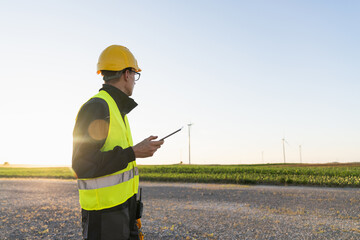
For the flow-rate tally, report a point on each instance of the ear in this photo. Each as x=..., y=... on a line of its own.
x=126, y=75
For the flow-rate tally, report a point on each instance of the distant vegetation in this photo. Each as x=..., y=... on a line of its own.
x=50, y=172
x=292, y=174
x=340, y=175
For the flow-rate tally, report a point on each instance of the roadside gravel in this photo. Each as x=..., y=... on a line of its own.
x=49, y=209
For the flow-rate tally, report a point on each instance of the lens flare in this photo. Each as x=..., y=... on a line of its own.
x=98, y=129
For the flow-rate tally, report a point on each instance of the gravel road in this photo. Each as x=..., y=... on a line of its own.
x=49, y=209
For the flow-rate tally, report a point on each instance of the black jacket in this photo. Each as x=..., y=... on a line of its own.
x=87, y=159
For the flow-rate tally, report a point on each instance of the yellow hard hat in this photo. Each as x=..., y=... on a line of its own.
x=117, y=58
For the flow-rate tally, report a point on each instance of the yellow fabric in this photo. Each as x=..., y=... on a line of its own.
x=119, y=134
x=138, y=223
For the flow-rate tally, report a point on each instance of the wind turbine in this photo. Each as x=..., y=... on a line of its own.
x=189, y=126
x=283, y=143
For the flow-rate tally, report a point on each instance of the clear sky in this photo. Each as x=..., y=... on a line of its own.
x=246, y=73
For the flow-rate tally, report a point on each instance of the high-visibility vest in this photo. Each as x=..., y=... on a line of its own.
x=113, y=189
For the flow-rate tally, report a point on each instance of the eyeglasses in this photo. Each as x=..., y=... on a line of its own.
x=136, y=74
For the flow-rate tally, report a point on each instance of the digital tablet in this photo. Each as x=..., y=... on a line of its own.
x=171, y=134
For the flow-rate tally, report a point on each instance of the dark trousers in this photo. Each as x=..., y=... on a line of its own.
x=116, y=223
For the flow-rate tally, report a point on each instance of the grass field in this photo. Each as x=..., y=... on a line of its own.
x=340, y=175
x=37, y=172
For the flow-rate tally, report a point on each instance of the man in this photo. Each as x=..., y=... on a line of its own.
x=103, y=151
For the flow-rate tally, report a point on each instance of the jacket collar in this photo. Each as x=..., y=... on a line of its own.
x=123, y=101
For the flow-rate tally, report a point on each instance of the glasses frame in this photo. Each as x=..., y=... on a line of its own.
x=136, y=74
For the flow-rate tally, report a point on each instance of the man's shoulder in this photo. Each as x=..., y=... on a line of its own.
x=95, y=102
x=94, y=108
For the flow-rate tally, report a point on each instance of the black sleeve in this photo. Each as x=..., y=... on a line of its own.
x=89, y=136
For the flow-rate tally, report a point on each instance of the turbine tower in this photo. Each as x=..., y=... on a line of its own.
x=189, y=126
x=283, y=143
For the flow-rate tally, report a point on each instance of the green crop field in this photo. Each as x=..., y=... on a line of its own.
x=322, y=175
x=46, y=172
x=340, y=175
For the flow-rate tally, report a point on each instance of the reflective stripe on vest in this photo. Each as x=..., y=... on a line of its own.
x=107, y=181
x=113, y=189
